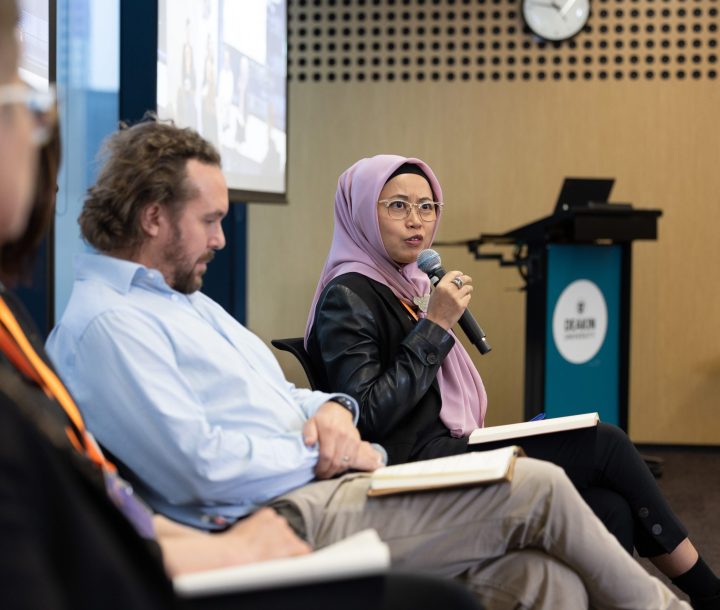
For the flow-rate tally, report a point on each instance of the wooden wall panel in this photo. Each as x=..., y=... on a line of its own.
x=501, y=149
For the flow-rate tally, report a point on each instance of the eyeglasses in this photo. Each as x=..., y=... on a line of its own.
x=398, y=209
x=40, y=104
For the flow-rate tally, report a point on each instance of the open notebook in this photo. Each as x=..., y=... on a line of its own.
x=362, y=554
x=533, y=428
x=474, y=468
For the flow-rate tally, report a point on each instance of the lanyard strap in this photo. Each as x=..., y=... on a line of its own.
x=410, y=310
x=16, y=357
x=20, y=352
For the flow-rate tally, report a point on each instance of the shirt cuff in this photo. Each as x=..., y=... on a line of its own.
x=350, y=403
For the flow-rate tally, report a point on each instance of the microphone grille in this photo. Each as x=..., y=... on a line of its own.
x=428, y=260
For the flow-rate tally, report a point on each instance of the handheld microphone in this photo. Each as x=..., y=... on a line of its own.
x=429, y=262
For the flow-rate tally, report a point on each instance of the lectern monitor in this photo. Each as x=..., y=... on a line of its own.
x=581, y=192
x=221, y=69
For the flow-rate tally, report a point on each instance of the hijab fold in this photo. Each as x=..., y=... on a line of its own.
x=357, y=247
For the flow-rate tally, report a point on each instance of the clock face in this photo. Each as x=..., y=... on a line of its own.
x=556, y=19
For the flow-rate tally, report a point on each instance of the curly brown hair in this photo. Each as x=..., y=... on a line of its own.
x=144, y=164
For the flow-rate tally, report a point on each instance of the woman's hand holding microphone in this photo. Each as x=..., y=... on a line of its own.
x=450, y=299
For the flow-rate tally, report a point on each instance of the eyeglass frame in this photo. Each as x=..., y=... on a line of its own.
x=410, y=206
x=40, y=104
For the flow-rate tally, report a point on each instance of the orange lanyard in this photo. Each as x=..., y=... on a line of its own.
x=410, y=310
x=16, y=357
x=27, y=361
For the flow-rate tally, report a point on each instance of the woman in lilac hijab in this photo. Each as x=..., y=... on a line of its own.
x=377, y=332
x=380, y=243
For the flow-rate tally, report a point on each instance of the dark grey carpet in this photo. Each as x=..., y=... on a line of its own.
x=691, y=484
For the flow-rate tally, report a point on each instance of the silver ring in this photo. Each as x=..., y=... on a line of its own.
x=345, y=458
x=458, y=282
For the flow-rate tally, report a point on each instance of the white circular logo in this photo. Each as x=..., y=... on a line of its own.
x=580, y=321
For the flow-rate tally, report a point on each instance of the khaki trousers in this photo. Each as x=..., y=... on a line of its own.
x=531, y=543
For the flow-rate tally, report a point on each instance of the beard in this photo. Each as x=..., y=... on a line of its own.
x=185, y=278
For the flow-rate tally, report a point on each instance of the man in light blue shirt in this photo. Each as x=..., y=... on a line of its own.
x=188, y=398
x=171, y=407
x=198, y=408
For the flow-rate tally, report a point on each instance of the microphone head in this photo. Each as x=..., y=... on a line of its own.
x=428, y=260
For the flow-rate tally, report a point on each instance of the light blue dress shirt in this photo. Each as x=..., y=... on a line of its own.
x=191, y=401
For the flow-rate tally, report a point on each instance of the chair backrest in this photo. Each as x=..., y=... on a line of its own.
x=296, y=346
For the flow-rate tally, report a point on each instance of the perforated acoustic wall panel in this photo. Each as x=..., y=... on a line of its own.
x=486, y=40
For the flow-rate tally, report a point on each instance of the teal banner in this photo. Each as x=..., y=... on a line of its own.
x=582, y=331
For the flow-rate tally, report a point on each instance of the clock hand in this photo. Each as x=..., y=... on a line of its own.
x=566, y=7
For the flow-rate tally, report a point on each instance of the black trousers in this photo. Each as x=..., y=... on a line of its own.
x=610, y=474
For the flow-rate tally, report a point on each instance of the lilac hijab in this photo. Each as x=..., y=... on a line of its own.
x=357, y=247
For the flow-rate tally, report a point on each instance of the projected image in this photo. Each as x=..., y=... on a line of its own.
x=34, y=30
x=222, y=70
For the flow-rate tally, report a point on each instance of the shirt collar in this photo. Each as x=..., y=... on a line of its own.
x=118, y=273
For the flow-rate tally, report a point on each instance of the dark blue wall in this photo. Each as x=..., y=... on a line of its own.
x=34, y=292
x=224, y=281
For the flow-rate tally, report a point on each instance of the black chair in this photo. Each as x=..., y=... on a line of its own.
x=296, y=346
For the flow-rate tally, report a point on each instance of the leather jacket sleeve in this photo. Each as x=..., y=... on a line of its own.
x=387, y=380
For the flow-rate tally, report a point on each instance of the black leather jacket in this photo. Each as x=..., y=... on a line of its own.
x=366, y=344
